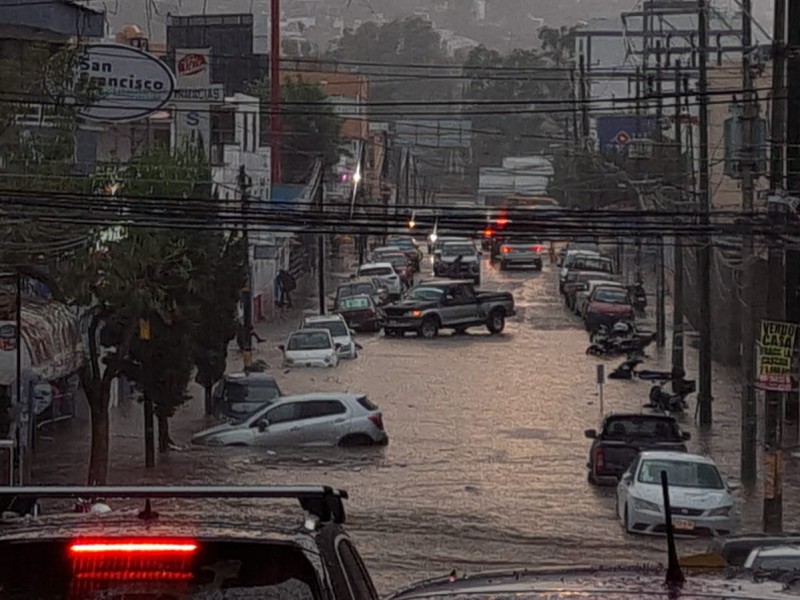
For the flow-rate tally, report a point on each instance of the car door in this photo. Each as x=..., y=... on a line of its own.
x=324, y=422
x=283, y=426
x=626, y=483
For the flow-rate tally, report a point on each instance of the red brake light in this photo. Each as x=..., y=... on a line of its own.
x=488, y=233
x=133, y=548
x=599, y=459
x=505, y=249
x=377, y=420
x=502, y=221
x=537, y=248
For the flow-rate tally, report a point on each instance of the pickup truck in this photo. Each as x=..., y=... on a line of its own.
x=622, y=436
x=447, y=304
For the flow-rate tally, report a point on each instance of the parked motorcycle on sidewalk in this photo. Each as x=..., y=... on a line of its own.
x=623, y=339
x=638, y=297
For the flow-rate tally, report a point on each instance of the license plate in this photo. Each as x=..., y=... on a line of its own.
x=682, y=525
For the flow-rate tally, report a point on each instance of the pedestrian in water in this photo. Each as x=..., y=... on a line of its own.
x=286, y=285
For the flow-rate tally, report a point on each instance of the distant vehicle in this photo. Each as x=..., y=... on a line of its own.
x=318, y=419
x=409, y=246
x=606, y=306
x=239, y=395
x=378, y=253
x=571, y=258
x=522, y=252
x=774, y=558
x=622, y=436
x=470, y=264
x=577, y=245
x=441, y=241
x=386, y=273
x=372, y=286
x=310, y=348
x=361, y=313
x=448, y=304
x=336, y=324
x=402, y=267
x=582, y=297
x=700, y=500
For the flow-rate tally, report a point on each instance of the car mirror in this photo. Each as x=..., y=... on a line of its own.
x=337, y=346
x=686, y=436
x=282, y=348
x=262, y=425
x=627, y=478
x=591, y=434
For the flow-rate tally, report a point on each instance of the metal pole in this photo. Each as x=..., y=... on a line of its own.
x=321, y=250
x=584, y=103
x=677, y=293
x=247, y=290
x=704, y=395
x=748, y=344
x=661, y=310
x=275, y=89
x=773, y=458
x=22, y=458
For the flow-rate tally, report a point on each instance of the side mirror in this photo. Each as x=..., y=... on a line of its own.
x=337, y=346
x=627, y=478
x=591, y=434
x=262, y=425
x=686, y=436
x=282, y=348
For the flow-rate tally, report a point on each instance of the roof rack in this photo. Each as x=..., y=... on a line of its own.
x=322, y=501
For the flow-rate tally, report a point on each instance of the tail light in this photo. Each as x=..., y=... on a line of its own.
x=377, y=420
x=133, y=560
x=502, y=221
x=599, y=459
x=505, y=249
x=537, y=248
x=488, y=233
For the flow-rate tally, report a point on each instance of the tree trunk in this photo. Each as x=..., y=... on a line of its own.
x=149, y=434
x=209, y=408
x=99, y=396
x=163, y=434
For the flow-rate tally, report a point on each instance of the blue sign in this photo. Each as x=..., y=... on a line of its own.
x=614, y=133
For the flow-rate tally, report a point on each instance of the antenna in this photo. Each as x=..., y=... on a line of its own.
x=675, y=576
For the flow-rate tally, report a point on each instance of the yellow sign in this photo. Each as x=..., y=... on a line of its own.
x=144, y=329
x=775, y=356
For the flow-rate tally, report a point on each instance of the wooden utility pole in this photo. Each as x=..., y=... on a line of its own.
x=584, y=104
x=773, y=458
x=661, y=309
x=275, y=90
x=748, y=352
x=677, y=293
x=704, y=395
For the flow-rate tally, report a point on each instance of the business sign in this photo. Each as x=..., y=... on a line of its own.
x=192, y=64
x=193, y=67
x=193, y=98
x=775, y=356
x=212, y=93
x=616, y=132
x=124, y=83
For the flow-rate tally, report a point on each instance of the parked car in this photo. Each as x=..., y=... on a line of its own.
x=774, y=558
x=212, y=552
x=386, y=273
x=240, y=394
x=402, y=266
x=470, y=265
x=606, y=306
x=360, y=313
x=318, y=419
x=522, y=252
x=735, y=549
x=700, y=500
x=371, y=286
x=410, y=247
x=577, y=281
x=310, y=348
x=581, y=297
x=378, y=253
x=577, y=246
x=342, y=336
x=569, y=260
x=622, y=436
x=441, y=241
x=448, y=304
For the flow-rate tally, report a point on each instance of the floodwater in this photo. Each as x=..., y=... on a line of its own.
x=486, y=464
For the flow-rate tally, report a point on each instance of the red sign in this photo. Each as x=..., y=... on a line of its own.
x=622, y=138
x=191, y=64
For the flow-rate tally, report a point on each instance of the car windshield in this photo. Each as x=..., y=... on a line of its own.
x=255, y=392
x=777, y=563
x=681, y=474
x=336, y=327
x=396, y=260
x=635, y=427
x=354, y=303
x=405, y=244
x=458, y=249
x=425, y=294
x=379, y=271
x=611, y=296
x=315, y=340
x=583, y=263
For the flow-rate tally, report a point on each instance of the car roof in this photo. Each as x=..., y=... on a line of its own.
x=598, y=283
x=458, y=242
x=582, y=252
x=676, y=456
x=442, y=282
x=387, y=249
x=778, y=551
x=376, y=264
x=322, y=318
x=633, y=415
x=361, y=279
x=306, y=331
x=343, y=396
x=250, y=378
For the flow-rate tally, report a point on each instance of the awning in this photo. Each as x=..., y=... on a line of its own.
x=51, y=342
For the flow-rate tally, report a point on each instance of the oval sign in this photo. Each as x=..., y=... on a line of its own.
x=126, y=83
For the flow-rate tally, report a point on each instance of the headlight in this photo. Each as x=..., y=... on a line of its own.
x=722, y=511
x=640, y=504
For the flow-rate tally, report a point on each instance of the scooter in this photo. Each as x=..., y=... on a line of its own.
x=638, y=296
x=624, y=329
x=616, y=346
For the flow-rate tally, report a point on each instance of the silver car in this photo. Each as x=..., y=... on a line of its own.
x=318, y=419
x=700, y=500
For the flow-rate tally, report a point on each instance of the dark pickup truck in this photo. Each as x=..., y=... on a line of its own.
x=623, y=436
x=447, y=304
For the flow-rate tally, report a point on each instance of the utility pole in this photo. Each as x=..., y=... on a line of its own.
x=677, y=293
x=275, y=89
x=247, y=290
x=584, y=104
x=748, y=398
x=321, y=248
x=661, y=310
x=773, y=457
x=704, y=396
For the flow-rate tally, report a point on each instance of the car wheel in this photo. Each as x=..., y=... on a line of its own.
x=390, y=332
x=626, y=520
x=590, y=478
x=355, y=440
x=497, y=322
x=429, y=328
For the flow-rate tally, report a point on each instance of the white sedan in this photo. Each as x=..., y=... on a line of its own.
x=310, y=348
x=700, y=500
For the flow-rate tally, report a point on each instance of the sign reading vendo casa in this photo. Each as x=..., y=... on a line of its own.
x=124, y=83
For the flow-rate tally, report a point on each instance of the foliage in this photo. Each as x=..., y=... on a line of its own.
x=309, y=124
x=410, y=41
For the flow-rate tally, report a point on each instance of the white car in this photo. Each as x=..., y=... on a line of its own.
x=774, y=558
x=700, y=500
x=310, y=348
x=386, y=273
x=342, y=336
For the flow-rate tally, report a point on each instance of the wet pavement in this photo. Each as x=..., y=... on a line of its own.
x=486, y=463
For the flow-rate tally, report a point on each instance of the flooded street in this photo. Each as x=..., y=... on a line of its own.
x=486, y=462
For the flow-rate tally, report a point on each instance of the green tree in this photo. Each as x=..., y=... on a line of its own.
x=309, y=125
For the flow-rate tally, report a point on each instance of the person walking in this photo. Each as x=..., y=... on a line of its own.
x=286, y=285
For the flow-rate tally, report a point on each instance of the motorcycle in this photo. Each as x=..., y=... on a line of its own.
x=623, y=338
x=638, y=296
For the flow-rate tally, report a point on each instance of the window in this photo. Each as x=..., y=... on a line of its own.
x=360, y=583
x=611, y=296
x=309, y=341
x=426, y=294
x=337, y=327
x=355, y=303
x=321, y=408
x=284, y=413
x=237, y=392
x=365, y=403
x=658, y=429
x=380, y=271
x=681, y=474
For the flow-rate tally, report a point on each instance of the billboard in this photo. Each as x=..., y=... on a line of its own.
x=194, y=97
x=616, y=132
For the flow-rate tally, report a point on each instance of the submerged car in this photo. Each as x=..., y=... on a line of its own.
x=701, y=503
x=360, y=313
x=387, y=275
x=240, y=394
x=310, y=348
x=342, y=336
x=318, y=419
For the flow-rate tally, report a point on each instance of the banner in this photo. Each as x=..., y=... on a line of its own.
x=775, y=356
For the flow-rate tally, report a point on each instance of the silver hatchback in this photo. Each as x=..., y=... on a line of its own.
x=318, y=419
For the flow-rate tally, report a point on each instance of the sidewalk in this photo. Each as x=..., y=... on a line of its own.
x=62, y=451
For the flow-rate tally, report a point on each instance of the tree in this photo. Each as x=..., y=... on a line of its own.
x=309, y=124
